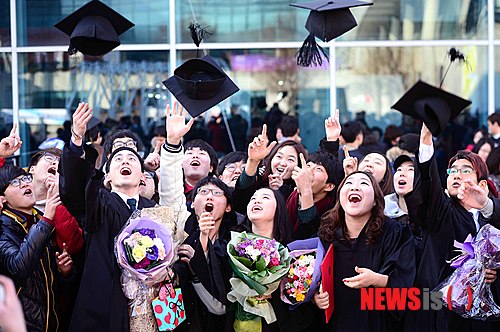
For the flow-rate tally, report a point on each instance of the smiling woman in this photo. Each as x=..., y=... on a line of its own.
x=370, y=251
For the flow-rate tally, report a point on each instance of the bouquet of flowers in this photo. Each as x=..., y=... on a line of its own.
x=304, y=275
x=259, y=263
x=145, y=247
x=465, y=291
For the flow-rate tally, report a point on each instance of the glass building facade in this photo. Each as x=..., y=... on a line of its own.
x=396, y=43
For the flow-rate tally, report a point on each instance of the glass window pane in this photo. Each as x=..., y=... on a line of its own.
x=4, y=23
x=269, y=77
x=373, y=79
x=5, y=94
x=420, y=20
x=36, y=19
x=242, y=21
x=120, y=85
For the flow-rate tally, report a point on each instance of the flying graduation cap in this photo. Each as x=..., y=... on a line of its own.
x=432, y=105
x=93, y=29
x=327, y=20
x=199, y=83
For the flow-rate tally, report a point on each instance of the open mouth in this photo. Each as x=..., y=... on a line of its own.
x=52, y=170
x=142, y=183
x=354, y=198
x=125, y=171
x=27, y=192
x=455, y=185
x=401, y=182
x=235, y=178
x=209, y=207
x=280, y=169
x=256, y=208
x=195, y=163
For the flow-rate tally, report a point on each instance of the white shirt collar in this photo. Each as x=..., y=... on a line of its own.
x=125, y=197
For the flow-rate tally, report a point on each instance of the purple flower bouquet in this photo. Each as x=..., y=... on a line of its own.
x=466, y=291
x=304, y=275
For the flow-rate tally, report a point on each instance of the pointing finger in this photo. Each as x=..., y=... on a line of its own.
x=302, y=160
x=346, y=153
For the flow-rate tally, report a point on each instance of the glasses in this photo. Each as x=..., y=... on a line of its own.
x=50, y=158
x=128, y=144
x=464, y=170
x=25, y=178
x=149, y=175
x=232, y=167
x=215, y=192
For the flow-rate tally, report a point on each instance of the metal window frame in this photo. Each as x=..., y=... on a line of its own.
x=173, y=47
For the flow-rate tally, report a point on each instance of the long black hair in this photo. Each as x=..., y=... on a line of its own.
x=282, y=228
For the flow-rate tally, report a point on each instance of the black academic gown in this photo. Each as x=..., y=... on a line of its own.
x=392, y=254
x=213, y=272
x=442, y=220
x=100, y=304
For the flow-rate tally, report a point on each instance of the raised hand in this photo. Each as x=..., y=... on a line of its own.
x=53, y=201
x=350, y=164
x=276, y=180
x=81, y=117
x=366, y=278
x=153, y=159
x=302, y=176
x=333, y=127
x=64, y=262
x=258, y=149
x=11, y=143
x=425, y=135
x=176, y=123
x=472, y=195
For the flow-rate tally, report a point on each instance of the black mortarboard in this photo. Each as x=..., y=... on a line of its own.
x=327, y=20
x=94, y=28
x=93, y=122
x=434, y=106
x=199, y=84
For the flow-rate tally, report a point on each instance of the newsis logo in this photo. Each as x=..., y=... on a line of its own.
x=407, y=299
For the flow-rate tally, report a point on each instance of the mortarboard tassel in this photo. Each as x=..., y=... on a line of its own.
x=311, y=53
x=198, y=34
x=454, y=54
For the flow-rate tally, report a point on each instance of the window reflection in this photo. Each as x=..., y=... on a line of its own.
x=268, y=77
x=373, y=79
x=36, y=20
x=4, y=23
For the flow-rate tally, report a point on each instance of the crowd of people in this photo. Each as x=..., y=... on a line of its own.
x=391, y=212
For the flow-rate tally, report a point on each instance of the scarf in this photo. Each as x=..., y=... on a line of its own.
x=292, y=205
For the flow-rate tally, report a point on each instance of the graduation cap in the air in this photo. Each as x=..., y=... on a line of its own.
x=432, y=105
x=200, y=84
x=327, y=20
x=94, y=28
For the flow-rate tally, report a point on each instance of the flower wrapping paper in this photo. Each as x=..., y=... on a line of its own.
x=465, y=289
x=303, y=247
x=249, y=283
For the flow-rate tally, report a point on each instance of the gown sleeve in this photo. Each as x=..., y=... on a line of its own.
x=398, y=255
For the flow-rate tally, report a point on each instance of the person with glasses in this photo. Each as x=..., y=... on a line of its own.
x=231, y=167
x=203, y=270
x=43, y=166
x=149, y=187
x=26, y=252
x=445, y=218
x=100, y=303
